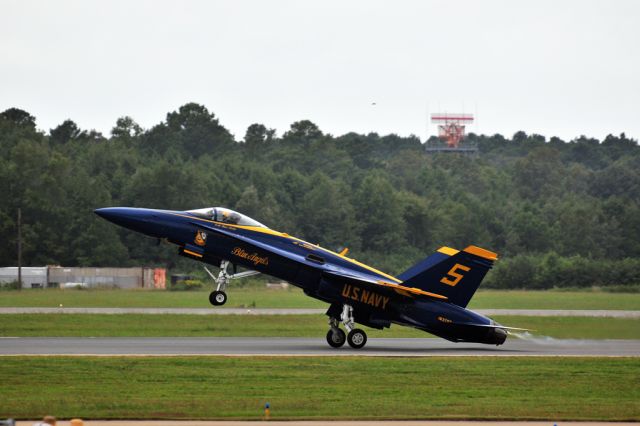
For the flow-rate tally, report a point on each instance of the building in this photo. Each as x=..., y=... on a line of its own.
x=32, y=277
x=60, y=276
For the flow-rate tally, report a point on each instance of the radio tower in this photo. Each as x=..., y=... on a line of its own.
x=451, y=129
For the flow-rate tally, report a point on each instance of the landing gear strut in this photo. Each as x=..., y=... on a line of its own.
x=336, y=337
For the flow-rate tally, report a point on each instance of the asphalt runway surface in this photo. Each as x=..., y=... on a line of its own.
x=331, y=422
x=280, y=346
x=302, y=311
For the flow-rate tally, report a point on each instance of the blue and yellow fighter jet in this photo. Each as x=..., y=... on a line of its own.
x=431, y=296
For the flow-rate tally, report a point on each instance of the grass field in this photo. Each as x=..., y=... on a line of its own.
x=278, y=326
x=318, y=387
x=294, y=298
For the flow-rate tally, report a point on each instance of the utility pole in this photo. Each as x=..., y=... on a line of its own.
x=19, y=248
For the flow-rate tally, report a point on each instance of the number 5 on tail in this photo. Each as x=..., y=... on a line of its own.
x=453, y=277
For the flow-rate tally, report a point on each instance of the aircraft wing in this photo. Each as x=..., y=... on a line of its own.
x=377, y=284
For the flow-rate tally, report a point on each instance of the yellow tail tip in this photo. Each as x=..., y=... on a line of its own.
x=478, y=251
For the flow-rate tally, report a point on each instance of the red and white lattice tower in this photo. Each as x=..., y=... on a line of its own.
x=451, y=126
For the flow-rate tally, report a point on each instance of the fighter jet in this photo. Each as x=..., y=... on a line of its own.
x=431, y=295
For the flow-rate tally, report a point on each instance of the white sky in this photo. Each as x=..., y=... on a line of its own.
x=552, y=67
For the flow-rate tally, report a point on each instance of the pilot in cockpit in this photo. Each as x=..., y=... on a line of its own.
x=230, y=217
x=224, y=215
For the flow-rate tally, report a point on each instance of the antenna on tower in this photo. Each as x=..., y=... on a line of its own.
x=452, y=130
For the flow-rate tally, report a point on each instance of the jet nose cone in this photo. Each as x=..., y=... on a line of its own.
x=147, y=221
x=112, y=214
x=124, y=216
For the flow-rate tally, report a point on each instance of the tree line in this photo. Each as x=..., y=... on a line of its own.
x=559, y=213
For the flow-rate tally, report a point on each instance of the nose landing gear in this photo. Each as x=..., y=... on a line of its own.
x=218, y=297
x=336, y=337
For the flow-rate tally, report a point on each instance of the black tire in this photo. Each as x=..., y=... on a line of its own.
x=336, y=338
x=218, y=298
x=357, y=338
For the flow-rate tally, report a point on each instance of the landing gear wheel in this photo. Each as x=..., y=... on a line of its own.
x=357, y=338
x=336, y=338
x=217, y=298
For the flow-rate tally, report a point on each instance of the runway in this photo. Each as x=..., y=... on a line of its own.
x=243, y=346
x=333, y=423
x=302, y=311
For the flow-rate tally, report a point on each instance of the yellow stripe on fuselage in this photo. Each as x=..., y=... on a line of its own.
x=362, y=265
x=289, y=237
x=400, y=289
x=192, y=253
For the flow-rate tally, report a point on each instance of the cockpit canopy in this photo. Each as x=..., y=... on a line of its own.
x=221, y=214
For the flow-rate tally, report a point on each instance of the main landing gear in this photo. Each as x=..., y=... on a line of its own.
x=336, y=337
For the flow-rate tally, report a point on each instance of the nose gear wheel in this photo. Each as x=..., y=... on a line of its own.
x=218, y=298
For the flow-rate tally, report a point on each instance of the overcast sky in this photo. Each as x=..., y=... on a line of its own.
x=561, y=68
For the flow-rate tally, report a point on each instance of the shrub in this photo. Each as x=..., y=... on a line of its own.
x=13, y=285
x=539, y=272
x=187, y=285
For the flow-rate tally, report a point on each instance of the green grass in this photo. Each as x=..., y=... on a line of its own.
x=576, y=327
x=320, y=387
x=294, y=298
x=238, y=297
x=521, y=299
x=130, y=325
